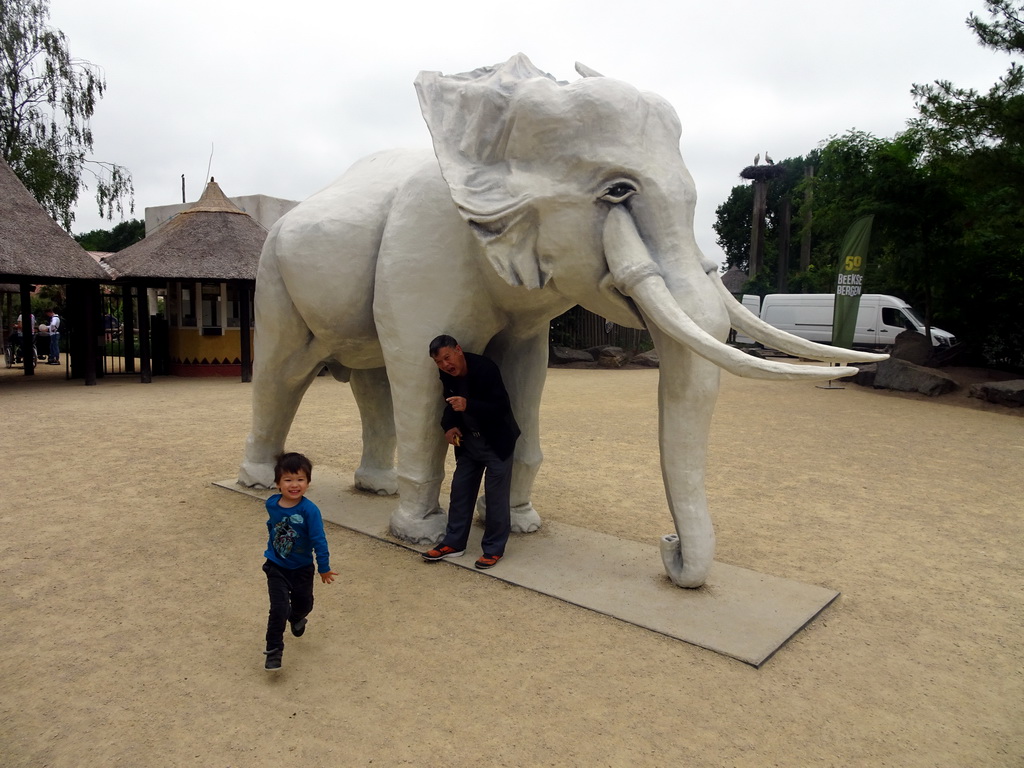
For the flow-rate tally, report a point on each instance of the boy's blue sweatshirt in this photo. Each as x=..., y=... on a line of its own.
x=295, y=534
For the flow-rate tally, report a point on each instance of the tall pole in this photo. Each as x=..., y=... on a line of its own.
x=805, y=236
x=785, y=219
x=28, y=339
x=145, y=348
x=245, y=322
x=757, y=228
x=761, y=175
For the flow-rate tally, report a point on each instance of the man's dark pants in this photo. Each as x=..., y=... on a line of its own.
x=291, y=599
x=474, y=458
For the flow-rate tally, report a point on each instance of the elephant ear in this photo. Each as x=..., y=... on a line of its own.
x=469, y=116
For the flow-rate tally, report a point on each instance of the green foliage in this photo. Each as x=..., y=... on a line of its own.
x=732, y=225
x=47, y=99
x=112, y=240
x=948, y=200
x=977, y=139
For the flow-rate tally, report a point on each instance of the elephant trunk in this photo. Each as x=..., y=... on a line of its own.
x=691, y=357
x=687, y=390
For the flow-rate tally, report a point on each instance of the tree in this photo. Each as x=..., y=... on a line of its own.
x=113, y=240
x=47, y=99
x=964, y=120
x=979, y=138
x=918, y=207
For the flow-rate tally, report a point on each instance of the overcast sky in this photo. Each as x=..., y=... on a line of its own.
x=286, y=95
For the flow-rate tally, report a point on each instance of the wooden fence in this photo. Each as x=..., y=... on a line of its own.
x=580, y=329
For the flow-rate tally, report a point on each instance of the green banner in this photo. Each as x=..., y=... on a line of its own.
x=852, y=259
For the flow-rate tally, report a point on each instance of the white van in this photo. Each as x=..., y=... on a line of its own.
x=753, y=303
x=880, y=318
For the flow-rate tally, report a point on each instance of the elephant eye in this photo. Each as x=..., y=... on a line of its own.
x=619, y=192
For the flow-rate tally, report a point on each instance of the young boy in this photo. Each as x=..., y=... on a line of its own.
x=296, y=532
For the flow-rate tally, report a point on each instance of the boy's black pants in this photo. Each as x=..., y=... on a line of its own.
x=291, y=599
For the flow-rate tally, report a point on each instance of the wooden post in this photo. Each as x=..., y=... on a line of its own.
x=128, y=328
x=244, y=322
x=805, y=235
x=145, y=347
x=28, y=339
x=785, y=219
x=757, y=228
x=90, y=331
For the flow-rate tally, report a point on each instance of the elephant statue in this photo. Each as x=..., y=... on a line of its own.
x=539, y=195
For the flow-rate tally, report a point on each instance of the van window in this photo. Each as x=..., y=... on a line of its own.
x=895, y=317
x=915, y=316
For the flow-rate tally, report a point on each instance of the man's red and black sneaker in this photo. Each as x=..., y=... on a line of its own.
x=487, y=561
x=442, y=553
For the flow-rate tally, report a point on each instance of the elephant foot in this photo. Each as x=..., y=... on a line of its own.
x=524, y=517
x=421, y=530
x=383, y=482
x=254, y=475
x=686, y=575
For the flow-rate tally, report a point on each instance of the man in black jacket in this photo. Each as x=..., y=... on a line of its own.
x=478, y=421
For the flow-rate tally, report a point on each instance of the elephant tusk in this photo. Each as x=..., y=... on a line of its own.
x=637, y=276
x=744, y=320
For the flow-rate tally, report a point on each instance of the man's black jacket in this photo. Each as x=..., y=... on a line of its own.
x=488, y=410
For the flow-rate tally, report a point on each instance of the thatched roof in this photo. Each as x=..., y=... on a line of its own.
x=211, y=240
x=33, y=247
x=734, y=279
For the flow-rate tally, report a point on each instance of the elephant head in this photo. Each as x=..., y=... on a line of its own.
x=580, y=188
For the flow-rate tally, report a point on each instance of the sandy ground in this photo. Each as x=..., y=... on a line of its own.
x=134, y=605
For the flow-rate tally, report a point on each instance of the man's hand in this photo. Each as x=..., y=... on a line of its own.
x=453, y=436
x=328, y=577
x=457, y=403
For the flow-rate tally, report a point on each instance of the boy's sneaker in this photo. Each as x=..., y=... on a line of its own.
x=441, y=553
x=487, y=561
x=273, y=663
x=298, y=627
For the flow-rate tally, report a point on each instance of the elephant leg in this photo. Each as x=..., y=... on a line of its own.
x=277, y=392
x=372, y=393
x=421, y=451
x=285, y=364
x=524, y=366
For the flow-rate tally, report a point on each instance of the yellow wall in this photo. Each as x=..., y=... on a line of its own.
x=188, y=346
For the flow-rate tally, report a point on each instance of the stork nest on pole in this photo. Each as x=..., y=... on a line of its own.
x=762, y=172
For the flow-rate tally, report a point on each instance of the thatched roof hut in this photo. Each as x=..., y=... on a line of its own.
x=206, y=258
x=33, y=247
x=211, y=240
x=734, y=280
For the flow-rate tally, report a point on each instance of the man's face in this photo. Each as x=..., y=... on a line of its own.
x=451, y=360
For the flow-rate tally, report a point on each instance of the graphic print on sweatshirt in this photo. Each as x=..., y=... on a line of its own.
x=285, y=535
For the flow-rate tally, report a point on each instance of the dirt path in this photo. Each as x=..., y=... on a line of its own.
x=134, y=604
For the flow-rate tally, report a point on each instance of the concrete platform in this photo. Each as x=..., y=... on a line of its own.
x=738, y=612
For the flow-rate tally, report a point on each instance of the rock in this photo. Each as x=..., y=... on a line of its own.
x=1008, y=393
x=865, y=375
x=563, y=355
x=912, y=347
x=613, y=357
x=647, y=359
x=907, y=377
